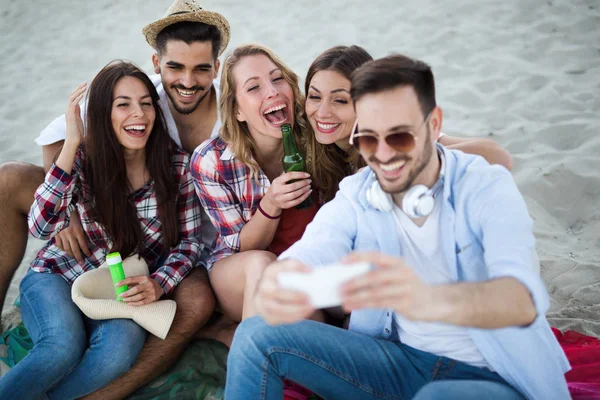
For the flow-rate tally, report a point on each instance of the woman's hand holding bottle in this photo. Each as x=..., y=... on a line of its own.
x=286, y=191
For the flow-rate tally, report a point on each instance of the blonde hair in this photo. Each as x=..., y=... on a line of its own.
x=236, y=133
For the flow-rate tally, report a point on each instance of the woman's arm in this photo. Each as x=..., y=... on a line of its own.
x=222, y=206
x=74, y=132
x=258, y=233
x=50, y=154
x=52, y=198
x=49, y=209
x=488, y=149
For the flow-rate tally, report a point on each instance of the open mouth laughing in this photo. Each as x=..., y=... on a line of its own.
x=277, y=115
x=393, y=169
x=186, y=93
x=137, y=131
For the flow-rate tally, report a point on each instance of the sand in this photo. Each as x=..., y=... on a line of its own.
x=523, y=72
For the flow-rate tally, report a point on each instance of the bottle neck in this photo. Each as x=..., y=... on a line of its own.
x=289, y=144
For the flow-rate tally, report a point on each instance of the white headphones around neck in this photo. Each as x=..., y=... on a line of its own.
x=418, y=201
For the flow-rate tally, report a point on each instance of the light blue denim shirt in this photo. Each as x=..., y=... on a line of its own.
x=487, y=233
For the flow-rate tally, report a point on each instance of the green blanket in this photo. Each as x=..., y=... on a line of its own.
x=198, y=374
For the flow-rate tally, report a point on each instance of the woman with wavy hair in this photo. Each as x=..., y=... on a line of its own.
x=239, y=175
x=134, y=194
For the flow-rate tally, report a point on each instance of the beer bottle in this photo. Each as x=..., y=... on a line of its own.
x=293, y=160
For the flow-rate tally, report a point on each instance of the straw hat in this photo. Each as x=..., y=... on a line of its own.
x=187, y=10
x=94, y=293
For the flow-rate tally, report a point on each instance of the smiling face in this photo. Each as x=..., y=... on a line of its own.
x=329, y=107
x=187, y=72
x=397, y=111
x=264, y=98
x=132, y=113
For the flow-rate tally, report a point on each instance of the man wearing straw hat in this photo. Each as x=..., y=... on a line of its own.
x=188, y=41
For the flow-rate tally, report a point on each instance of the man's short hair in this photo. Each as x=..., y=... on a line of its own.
x=395, y=71
x=189, y=32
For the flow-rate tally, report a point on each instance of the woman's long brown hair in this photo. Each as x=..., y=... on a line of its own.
x=328, y=164
x=105, y=169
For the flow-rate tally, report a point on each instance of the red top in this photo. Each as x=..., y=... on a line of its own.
x=291, y=227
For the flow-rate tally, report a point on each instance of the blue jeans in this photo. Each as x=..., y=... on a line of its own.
x=339, y=364
x=72, y=354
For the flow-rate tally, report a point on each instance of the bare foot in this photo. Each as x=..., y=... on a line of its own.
x=219, y=328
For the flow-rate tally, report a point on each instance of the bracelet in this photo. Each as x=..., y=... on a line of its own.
x=263, y=212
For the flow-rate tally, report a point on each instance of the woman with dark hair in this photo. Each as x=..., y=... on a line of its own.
x=330, y=111
x=133, y=191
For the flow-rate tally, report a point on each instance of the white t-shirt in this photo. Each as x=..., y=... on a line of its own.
x=423, y=253
x=56, y=131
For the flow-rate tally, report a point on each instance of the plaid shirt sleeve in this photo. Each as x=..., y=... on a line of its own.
x=48, y=212
x=184, y=256
x=216, y=195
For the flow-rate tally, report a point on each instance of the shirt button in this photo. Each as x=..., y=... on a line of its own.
x=388, y=314
x=387, y=330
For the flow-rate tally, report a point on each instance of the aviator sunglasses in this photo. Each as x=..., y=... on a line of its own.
x=402, y=142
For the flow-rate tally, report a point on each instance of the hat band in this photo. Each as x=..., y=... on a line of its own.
x=184, y=12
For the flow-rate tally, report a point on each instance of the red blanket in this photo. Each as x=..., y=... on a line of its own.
x=583, y=353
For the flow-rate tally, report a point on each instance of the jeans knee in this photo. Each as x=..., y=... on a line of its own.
x=252, y=335
x=65, y=349
x=121, y=343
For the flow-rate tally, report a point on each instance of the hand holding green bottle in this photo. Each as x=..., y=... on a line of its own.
x=283, y=195
x=115, y=264
x=293, y=160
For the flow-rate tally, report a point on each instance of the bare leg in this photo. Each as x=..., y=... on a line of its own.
x=195, y=305
x=221, y=328
x=18, y=183
x=234, y=281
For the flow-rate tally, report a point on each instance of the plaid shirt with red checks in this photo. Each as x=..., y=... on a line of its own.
x=61, y=193
x=228, y=193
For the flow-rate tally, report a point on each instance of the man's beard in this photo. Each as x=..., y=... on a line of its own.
x=422, y=161
x=189, y=109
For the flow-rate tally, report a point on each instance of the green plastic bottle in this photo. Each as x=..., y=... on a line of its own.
x=293, y=160
x=115, y=263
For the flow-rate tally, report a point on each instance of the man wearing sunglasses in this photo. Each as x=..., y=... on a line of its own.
x=451, y=309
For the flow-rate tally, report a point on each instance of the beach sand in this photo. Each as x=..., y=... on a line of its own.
x=524, y=73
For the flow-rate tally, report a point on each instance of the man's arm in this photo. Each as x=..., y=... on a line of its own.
x=328, y=238
x=513, y=295
x=493, y=304
x=488, y=149
x=497, y=303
